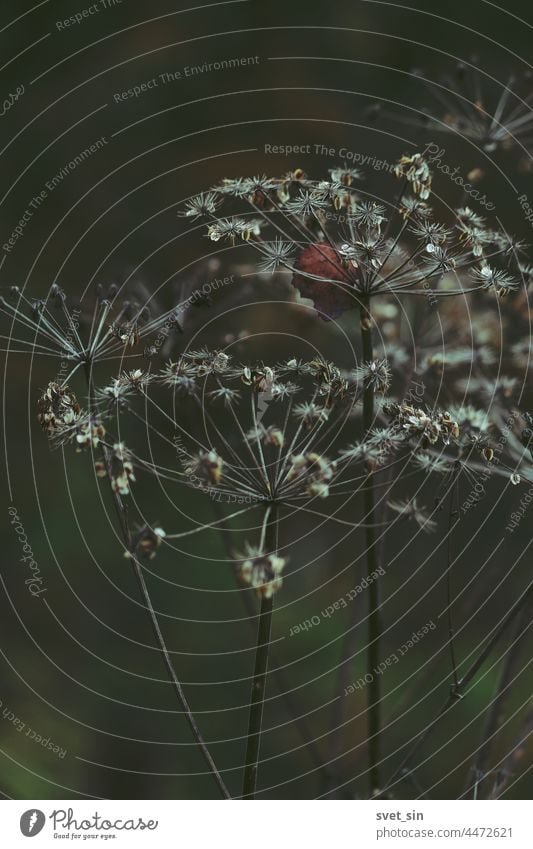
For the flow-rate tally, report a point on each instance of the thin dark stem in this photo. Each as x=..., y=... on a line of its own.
x=456, y=694
x=178, y=689
x=348, y=652
x=282, y=683
x=122, y=515
x=495, y=713
x=453, y=517
x=257, y=696
x=374, y=619
x=374, y=599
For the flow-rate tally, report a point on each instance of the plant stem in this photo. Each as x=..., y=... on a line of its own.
x=257, y=696
x=175, y=681
x=453, y=517
x=456, y=694
x=374, y=600
x=283, y=684
x=501, y=694
x=122, y=515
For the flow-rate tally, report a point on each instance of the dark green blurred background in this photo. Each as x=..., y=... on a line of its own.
x=83, y=671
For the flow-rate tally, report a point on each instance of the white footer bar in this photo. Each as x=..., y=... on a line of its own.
x=268, y=824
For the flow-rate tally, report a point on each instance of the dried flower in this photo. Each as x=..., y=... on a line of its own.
x=315, y=471
x=201, y=206
x=244, y=467
x=234, y=228
x=263, y=572
x=311, y=413
x=58, y=407
x=271, y=435
x=366, y=253
x=429, y=427
x=429, y=464
x=345, y=175
x=493, y=113
x=86, y=432
x=338, y=262
x=496, y=279
x=225, y=394
x=307, y=203
x=376, y=374
x=367, y=452
x=208, y=466
x=415, y=169
x=146, y=541
x=119, y=467
x=80, y=335
x=275, y=254
x=413, y=511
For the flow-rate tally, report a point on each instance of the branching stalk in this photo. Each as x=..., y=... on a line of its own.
x=453, y=518
x=122, y=515
x=455, y=694
x=282, y=683
x=257, y=696
x=496, y=710
x=374, y=599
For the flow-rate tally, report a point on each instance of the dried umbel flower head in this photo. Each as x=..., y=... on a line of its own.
x=494, y=114
x=104, y=325
x=258, y=446
x=260, y=378
x=119, y=467
x=336, y=258
x=58, y=407
x=227, y=395
x=262, y=571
